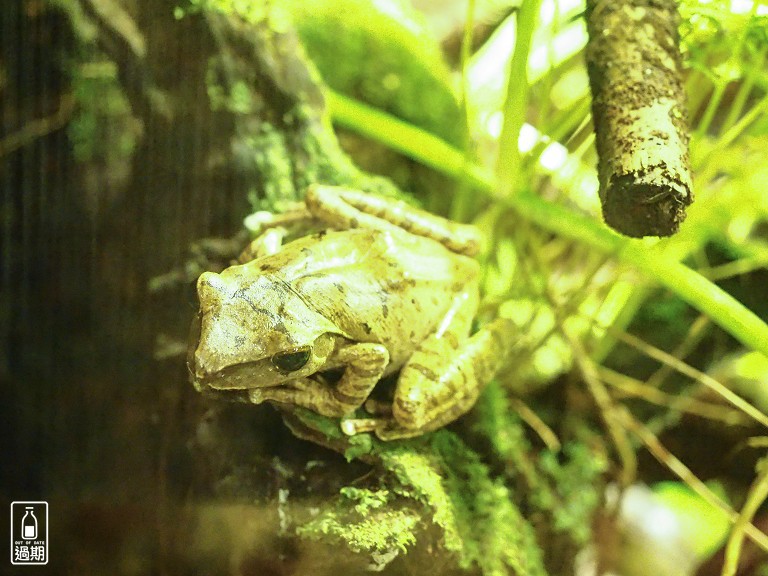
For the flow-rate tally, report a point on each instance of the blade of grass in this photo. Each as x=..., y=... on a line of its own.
x=508, y=163
x=757, y=495
x=707, y=163
x=406, y=139
x=721, y=307
x=740, y=100
x=694, y=374
x=677, y=467
x=460, y=204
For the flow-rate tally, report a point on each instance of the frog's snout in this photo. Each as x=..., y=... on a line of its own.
x=192, y=343
x=196, y=368
x=209, y=286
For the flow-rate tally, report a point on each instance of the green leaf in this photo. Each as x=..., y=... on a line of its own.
x=381, y=52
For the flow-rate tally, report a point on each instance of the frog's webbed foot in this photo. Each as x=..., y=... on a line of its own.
x=364, y=366
x=440, y=383
x=390, y=428
x=294, y=214
x=268, y=242
x=271, y=229
x=344, y=208
x=384, y=428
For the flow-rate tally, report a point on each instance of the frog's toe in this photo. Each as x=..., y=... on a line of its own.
x=359, y=425
x=410, y=414
x=306, y=394
x=385, y=428
x=391, y=430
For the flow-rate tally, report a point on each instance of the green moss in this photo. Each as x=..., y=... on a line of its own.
x=564, y=486
x=573, y=492
x=377, y=533
x=250, y=11
x=268, y=149
x=320, y=159
x=418, y=474
x=435, y=477
x=102, y=129
x=444, y=479
x=495, y=534
x=359, y=445
x=238, y=99
x=366, y=521
x=366, y=499
x=476, y=512
x=500, y=425
x=287, y=144
x=447, y=481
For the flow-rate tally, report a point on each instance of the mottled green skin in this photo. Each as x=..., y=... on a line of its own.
x=357, y=285
x=391, y=288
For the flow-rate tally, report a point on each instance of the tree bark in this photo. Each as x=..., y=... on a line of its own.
x=638, y=107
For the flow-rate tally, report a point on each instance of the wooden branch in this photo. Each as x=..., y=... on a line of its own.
x=638, y=108
x=39, y=127
x=120, y=37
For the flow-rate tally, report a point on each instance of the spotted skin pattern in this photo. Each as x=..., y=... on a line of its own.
x=385, y=288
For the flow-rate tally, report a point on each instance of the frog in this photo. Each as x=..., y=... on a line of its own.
x=383, y=289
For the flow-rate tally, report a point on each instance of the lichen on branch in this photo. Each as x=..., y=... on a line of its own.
x=638, y=107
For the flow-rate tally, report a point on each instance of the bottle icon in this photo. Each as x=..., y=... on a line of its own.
x=29, y=525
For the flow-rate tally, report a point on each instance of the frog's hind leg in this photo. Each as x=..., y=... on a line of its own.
x=429, y=399
x=431, y=394
x=272, y=229
x=344, y=208
x=268, y=242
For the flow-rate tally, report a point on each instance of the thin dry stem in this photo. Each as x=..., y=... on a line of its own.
x=695, y=334
x=632, y=387
x=755, y=498
x=676, y=466
x=608, y=411
x=536, y=424
x=39, y=127
x=692, y=373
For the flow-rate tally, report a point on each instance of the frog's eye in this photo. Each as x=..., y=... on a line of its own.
x=292, y=361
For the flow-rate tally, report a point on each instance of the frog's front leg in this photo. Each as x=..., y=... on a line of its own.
x=364, y=365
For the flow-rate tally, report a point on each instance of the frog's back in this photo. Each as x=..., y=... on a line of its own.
x=364, y=254
x=376, y=286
